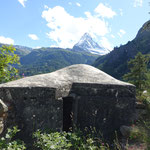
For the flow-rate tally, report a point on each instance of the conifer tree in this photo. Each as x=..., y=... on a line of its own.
x=138, y=72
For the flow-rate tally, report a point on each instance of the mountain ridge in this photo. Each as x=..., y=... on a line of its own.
x=115, y=63
x=45, y=60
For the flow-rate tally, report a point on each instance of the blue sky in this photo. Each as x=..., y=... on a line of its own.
x=61, y=23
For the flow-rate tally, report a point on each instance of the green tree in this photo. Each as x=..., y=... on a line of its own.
x=138, y=72
x=7, y=61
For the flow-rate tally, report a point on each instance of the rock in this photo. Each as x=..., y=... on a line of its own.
x=1, y=126
x=139, y=105
x=3, y=108
x=140, y=113
x=126, y=130
x=3, y=116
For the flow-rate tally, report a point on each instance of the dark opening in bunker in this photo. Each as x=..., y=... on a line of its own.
x=67, y=113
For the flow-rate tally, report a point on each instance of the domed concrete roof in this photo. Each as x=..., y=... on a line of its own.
x=79, y=73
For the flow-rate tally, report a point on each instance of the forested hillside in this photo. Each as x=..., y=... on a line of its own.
x=115, y=63
x=46, y=60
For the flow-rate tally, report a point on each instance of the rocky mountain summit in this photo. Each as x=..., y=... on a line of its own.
x=87, y=44
x=144, y=31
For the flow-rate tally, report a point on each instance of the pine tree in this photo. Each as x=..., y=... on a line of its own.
x=138, y=72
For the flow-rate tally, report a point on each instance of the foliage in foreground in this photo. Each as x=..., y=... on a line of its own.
x=54, y=141
x=139, y=76
x=74, y=140
x=138, y=72
x=7, y=60
x=67, y=141
x=7, y=142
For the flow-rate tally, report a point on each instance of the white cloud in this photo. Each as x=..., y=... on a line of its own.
x=78, y=4
x=104, y=11
x=88, y=14
x=5, y=40
x=121, y=12
x=121, y=32
x=33, y=36
x=138, y=3
x=22, y=2
x=45, y=6
x=66, y=30
x=112, y=36
x=105, y=43
x=37, y=47
x=54, y=46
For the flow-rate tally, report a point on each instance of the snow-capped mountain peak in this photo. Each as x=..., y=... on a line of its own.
x=87, y=44
x=85, y=37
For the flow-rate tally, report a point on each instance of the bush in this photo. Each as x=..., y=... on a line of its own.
x=7, y=142
x=67, y=141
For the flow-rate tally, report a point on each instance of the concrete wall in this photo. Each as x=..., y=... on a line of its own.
x=105, y=107
x=32, y=109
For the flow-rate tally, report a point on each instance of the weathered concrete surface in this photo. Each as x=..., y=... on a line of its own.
x=73, y=74
x=99, y=100
x=106, y=107
x=32, y=109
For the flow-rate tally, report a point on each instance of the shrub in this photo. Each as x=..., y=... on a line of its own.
x=67, y=141
x=7, y=142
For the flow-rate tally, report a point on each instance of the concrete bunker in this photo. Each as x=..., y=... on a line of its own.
x=78, y=94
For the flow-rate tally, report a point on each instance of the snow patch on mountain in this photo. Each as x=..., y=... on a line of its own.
x=87, y=44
